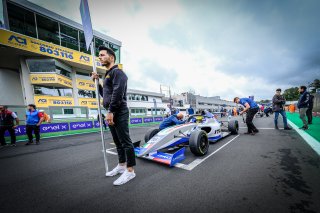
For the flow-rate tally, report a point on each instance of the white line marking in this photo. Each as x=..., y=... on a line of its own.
x=315, y=145
x=112, y=153
x=109, y=149
x=263, y=128
x=197, y=162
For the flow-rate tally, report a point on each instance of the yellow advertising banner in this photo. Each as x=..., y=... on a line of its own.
x=46, y=101
x=34, y=45
x=88, y=102
x=50, y=79
x=85, y=84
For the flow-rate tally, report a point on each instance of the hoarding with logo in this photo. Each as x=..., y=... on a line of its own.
x=88, y=102
x=81, y=125
x=50, y=79
x=46, y=101
x=34, y=45
x=85, y=84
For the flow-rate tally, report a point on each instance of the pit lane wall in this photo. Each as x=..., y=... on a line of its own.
x=78, y=127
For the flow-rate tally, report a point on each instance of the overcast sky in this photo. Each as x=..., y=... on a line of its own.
x=216, y=47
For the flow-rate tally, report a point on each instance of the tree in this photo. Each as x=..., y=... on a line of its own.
x=291, y=94
x=265, y=101
x=315, y=85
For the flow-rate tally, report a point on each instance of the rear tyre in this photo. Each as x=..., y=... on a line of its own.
x=150, y=133
x=199, y=143
x=233, y=127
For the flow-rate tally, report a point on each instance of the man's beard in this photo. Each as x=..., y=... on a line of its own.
x=106, y=64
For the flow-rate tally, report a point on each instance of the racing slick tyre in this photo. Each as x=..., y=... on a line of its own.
x=199, y=143
x=150, y=133
x=233, y=127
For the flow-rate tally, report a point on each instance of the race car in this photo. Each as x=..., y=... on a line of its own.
x=168, y=145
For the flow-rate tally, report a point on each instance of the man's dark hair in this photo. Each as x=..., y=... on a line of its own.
x=278, y=90
x=109, y=51
x=303, y=87
x=33, y=106
x=234, y=100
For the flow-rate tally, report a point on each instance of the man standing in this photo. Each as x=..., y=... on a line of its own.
x=6, y=123
x=309, y=110
x=114, y=92
x=278, y=102
x=168, y=111
x=251, y=108
x=34, y=119
x=303, y=105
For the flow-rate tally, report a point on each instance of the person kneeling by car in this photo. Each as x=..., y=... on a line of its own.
x=172, y=120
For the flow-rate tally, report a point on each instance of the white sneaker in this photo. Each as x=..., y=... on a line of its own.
x=117, y=170
x=124, y=178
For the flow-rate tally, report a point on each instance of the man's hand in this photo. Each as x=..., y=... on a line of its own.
x=14, y=127
x=109, y=118
x=38, y=124
x=241, y=112
x=94, y=76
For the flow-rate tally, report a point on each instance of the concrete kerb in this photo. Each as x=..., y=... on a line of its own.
x=315, y=145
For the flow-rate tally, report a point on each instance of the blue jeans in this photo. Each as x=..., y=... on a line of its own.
x=284, y=117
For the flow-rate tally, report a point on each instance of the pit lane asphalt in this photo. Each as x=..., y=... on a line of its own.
x=273, y=171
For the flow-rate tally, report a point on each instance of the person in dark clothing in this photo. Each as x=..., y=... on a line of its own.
x=171, y=121
x=34, y=118
x=7, y=119
x=251, y=108
x=114, y=93
x=278, y=102
x=303, y=105
x=103, y=120
x=309, y=110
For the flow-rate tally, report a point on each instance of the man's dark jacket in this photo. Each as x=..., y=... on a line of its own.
x=278, y=102
x=311, y=102
x=304, y=100
x=114, y=90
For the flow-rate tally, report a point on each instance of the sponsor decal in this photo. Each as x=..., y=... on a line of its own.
x=54, y=127
x=85, y=84
x=147, y=120
x=44, y=128
x=158, y=119
x=84, y=58
x=135, y=120
x=42, y=101
x=81, y=125
x=62, y=102
x=17, y=40
x=20, y=130
x=34, y=45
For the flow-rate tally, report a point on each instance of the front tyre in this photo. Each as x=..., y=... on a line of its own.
x=199, y=143
x=150, y=133
x=233, y=127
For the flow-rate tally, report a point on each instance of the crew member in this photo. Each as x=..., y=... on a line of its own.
x=251, y=108
x=34, y=118
x=171, y=121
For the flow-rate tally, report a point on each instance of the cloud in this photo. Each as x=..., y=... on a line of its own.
x=227, y=48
